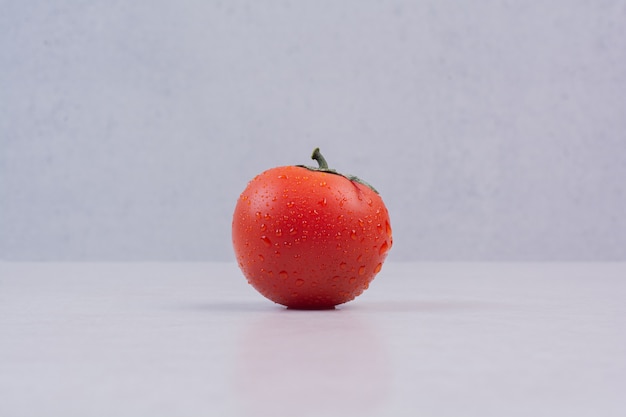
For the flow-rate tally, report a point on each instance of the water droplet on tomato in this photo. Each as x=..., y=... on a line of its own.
x=299, y=282
x=343, y=266
x=291, y=204
x=283, y=274
x=352, y=280
x=323, y=184
x=388, y=226
x=263, y=227
x=261, y=258
x=258, y=215
x=279, y=232
x=283, y=177
x=378, y=268
x=379, y=227
x=293, y=231
x=383, y=248
x=322, y=202
x=359, y=258
x=353, y=235
x=266, y=240
x=276, y=253
x=362, y=270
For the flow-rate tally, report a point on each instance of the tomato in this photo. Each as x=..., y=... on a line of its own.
x=310, y=238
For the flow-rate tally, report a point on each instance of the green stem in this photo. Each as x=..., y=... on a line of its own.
x=323, y=167
x=317, y=155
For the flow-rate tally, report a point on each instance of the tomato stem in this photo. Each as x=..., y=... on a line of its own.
x=323, y=167
x=317, y=155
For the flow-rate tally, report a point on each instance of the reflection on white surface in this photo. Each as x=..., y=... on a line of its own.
x=435, y=340
x=311, y=364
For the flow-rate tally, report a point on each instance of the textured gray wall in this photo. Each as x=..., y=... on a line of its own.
x=495, y=130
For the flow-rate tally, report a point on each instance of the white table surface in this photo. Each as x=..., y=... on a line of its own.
x=426, y=339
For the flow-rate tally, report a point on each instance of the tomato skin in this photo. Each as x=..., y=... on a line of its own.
x=310, y=239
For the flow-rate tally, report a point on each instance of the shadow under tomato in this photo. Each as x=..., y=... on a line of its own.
x=231, y=307
x=439, y=306
x=304, y=363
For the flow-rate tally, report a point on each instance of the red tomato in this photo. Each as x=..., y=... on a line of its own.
x=310, y=238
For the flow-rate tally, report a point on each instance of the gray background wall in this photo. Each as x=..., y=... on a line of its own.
x=495, y=130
